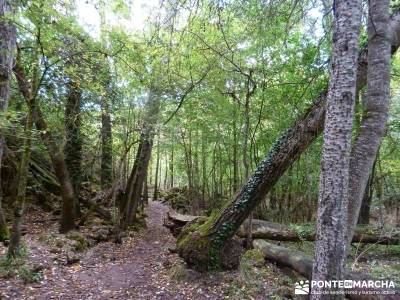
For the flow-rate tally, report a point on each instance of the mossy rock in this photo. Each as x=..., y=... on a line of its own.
x=253, y=257
x=249, y=263
x=81, y=242
x=48, y=239
x=178, y=273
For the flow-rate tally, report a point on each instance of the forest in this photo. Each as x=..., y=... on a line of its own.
x=199, y=149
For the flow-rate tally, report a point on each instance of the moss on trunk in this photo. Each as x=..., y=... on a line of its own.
x=207, y=252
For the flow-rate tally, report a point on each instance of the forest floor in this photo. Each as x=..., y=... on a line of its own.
x=142, y=267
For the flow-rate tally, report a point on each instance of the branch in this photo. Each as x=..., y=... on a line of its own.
x=183, y=97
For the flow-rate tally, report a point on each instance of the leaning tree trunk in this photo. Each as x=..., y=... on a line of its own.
x=129, y=200
x=134, y=185
x=7, y=47
x=22, y=177
x=73, y=145
x=67, y=221
x=330, y=245
x=376, y=108
x=205, y=250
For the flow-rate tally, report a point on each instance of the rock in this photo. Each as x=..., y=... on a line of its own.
x=55, y=250
x=72, y=258
x=38, y=267
x=102, y=235
x=80, y=243
x=178, y=273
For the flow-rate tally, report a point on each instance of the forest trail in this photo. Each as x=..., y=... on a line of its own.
x=132, y=272
x=140, y=268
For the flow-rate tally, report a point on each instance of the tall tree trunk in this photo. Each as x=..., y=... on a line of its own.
x=134, y=186
x=129, y=200
x=7, y=48
x=106, y=126
x=171, y=169
x=22, y=179
x=235, y=156
x=166, y=170
x=106, y=144
x=309, y=202
x=246, y=130
x=203, y=166
x=376, y=108
x=365, y=208
x=145, y=195
x=284, y=152
x=155, y=194
x=73, y=145
x=330, y=245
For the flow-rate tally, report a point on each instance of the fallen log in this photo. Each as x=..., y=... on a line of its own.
x=175, y=221
x=280, y=232
x=299, y=262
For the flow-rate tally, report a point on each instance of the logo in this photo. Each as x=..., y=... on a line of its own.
x=302, y=287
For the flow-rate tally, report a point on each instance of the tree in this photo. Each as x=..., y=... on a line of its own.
x=330, y=246
x=211, y=237
x=376, y=109
x=106, y=126
x=22, y=177
x=73, y=145
x=129, y=200
x=7, y=47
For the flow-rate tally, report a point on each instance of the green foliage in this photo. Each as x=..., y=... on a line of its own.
x=29, y=275
x=249, y=262
x=17, y=267
x=303, y=230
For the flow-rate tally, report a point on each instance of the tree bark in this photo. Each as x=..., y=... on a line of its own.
x=376, y=108
x=330, y=246
x=106, y=144
x=365, y=208
x=171, y=169
x=22, y=179
x=284, y=152
x=106, y=126
x=155, y=194
x=73, y=145
x=129, y=200
x=7, y=48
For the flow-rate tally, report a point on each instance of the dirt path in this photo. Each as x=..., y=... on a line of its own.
x=140, y=268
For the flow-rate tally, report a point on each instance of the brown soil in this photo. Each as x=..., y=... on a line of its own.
x=142, y=267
